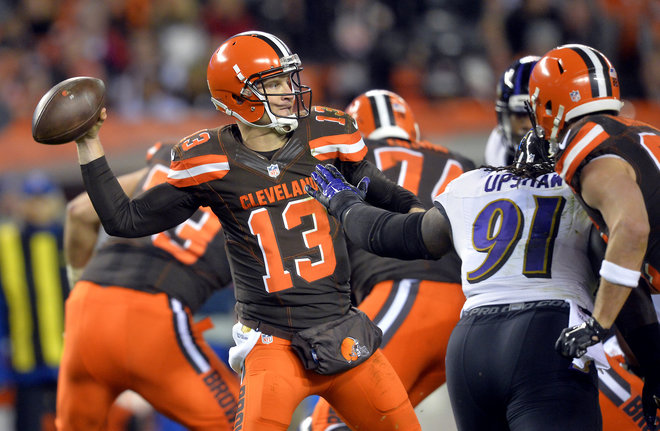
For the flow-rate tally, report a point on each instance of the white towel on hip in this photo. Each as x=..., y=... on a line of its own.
x=594, y=353
x=245, y=339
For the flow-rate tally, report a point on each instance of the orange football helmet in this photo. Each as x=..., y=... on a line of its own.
x=571, y=81
x=236, y=74
x=382, y=114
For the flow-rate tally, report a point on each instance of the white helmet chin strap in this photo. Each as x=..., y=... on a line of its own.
x=282, y=125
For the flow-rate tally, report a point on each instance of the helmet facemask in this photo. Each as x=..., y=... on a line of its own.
x=254, y=93
x=535, y=154
x=510, y=117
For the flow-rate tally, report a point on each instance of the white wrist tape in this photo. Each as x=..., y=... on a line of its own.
x=619, y=275
x=73, y=275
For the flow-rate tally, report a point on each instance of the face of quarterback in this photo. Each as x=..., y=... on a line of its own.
x=279, y=94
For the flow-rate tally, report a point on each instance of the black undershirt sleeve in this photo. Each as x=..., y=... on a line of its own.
x=385, y=233
x=155, y=210
x=382, y=192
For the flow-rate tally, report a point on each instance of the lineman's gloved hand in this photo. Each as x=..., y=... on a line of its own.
x=335, y=193
x=573, y=341
x=651, y=401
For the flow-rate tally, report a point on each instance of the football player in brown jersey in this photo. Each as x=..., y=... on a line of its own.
x=415, y=303
x=620, y=389
x=612, y=164
x=288, y=257
x=129, y=320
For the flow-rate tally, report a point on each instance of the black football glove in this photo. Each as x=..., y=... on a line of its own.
x=651, y=401
x=573, y=341
x=331, y=184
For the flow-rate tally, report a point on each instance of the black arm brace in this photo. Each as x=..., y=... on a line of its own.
x=156, y=210
x=385, y=233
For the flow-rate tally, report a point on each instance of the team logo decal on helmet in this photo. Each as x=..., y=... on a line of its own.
x=351, y=350
x=236, y=77
x=571, y=81
x=383, y=114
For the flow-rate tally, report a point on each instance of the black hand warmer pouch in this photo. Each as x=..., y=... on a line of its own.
x=338, y=345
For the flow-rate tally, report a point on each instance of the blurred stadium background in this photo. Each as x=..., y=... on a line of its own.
x=443, y=56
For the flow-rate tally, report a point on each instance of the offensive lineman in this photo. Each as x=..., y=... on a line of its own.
x=613, y=166
x=129, y=320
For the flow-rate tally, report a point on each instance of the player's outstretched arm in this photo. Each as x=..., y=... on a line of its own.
x=158, y=209
x=418, y=235
x=382, y=192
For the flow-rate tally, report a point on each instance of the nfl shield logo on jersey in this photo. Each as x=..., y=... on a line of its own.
x=273, y=170
x=575, y=96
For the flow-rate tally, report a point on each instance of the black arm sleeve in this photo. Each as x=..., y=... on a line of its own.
x=155, y=210
x=385, y=233
x=382, y=192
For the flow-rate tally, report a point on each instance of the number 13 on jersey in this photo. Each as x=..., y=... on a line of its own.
x=278, y=278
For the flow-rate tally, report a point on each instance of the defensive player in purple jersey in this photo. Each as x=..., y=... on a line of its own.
x=522, y=238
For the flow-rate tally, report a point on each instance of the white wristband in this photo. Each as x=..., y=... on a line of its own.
x=619, y=275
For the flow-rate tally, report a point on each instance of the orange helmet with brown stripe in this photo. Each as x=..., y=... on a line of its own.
x=236, y=73
x=571, y=81
x=382, y=114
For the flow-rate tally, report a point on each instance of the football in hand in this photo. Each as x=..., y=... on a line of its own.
x=68, y=110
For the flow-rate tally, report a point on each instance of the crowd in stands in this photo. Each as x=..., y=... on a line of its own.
x=153, y=54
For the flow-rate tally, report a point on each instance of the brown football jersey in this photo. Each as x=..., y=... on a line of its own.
x=638, y=144
x=288, y=256
x=424, y=169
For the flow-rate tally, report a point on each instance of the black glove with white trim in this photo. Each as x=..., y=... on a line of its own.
x=573, y=341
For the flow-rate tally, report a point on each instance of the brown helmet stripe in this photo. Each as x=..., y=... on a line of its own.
x=276, y=43
x=382, y=112
x=599, y=77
